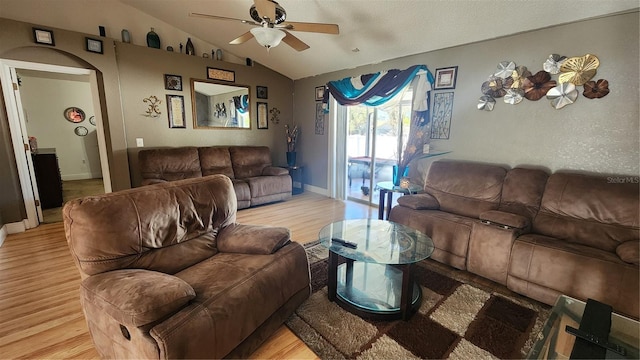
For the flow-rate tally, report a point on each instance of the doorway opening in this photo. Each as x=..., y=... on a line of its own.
x=55, y=118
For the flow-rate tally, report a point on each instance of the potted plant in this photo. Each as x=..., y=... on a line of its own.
x=292, y=139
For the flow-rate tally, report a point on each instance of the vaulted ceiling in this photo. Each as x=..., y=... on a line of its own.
x=379, y=29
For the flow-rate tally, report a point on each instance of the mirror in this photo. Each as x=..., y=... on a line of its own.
x=220, y=105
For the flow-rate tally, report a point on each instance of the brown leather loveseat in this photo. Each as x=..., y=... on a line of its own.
x=168, y=273
x=255, y=180
x=540, y=235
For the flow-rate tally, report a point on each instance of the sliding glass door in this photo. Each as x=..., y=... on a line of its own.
x=375, y=138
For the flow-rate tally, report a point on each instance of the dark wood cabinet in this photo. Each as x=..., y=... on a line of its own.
x=47, y=172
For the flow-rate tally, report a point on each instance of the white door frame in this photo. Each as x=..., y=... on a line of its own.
x=19, y=135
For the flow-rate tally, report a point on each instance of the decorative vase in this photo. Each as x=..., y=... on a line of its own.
x=153, y=40
x=291, y=158
x=397, y=176
x=219, y=54
x=190, y=50
x=126, y=37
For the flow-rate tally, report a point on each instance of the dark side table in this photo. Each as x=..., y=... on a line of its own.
x=386, y=191
x=296, y=174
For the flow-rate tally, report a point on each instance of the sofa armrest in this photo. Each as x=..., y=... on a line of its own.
x=152, y=181
x=274, y=171
x=629, y=251
x=252, y=239
x=137, y=297
x=419, y=202
x=505, y=219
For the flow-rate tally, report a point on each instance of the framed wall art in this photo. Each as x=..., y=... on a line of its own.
x=172, y=82
x=263, y=120
x=94, y=45
x=442, y=111
x=319, y=119
x=175, y=108
x=262, y=92
x=319, y=93
x=446, y=78
x=42, y=36
x=221, y=74
x=74, y=114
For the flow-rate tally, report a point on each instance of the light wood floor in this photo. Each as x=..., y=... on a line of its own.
x=40, y=314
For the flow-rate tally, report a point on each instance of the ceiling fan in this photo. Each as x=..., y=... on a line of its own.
x=269, y=17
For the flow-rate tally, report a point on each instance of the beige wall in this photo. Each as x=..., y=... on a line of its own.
x=591, y=135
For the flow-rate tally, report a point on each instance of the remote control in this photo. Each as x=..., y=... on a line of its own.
x=596, y=340
x=345, y=243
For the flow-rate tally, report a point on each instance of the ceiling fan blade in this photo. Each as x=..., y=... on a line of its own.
x=310, y=27
x=266, y=9
x=215, y=17
x=242, y=38
x=294, y=42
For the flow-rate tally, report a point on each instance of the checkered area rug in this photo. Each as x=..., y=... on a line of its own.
x=456, y=320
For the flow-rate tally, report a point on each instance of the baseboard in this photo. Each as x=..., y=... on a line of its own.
x=16, y=227
x=316, y=190
x=85, y=176
x=3, y=234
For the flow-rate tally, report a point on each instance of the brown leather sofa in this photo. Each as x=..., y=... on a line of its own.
x=168, y=273
x=540, y=235
x=255, y=180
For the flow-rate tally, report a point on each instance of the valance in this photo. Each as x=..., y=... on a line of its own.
x=241, y=103
x=376, y=89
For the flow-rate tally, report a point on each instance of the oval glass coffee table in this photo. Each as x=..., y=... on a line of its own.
x=374, y=279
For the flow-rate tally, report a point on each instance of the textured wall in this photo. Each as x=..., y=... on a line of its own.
x=591, y=135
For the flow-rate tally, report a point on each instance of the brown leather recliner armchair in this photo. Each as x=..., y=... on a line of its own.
x=168, y=273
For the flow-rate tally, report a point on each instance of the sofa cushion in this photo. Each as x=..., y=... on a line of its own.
x=137, y=297
x=589, y=210
x=629, y=252
x=522, y=191
x=246, y=291
x=215, y=160
x=465, y=188
x=164, y=227
x=169, y=164
x=249, y=161
x=419, y=202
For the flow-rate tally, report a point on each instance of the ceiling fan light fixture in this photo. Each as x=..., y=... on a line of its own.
x=268, y=37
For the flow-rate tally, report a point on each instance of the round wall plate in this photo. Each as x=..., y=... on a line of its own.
x=81, y=131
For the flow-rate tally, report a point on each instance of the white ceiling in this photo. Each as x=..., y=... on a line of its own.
x=380, y=29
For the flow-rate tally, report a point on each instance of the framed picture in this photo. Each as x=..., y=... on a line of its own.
x=74, y=114
x=221, y=74
x=319, y=118
x=42, y=36
x=172, y=82
x=442, y=110
x=319, y=93
x=94, y=45
x=263, y=121
x=261, y=92
x=446, y=78
x=175, y=108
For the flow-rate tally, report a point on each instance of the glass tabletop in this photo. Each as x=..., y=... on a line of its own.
x=388, y=185
x=378, y=241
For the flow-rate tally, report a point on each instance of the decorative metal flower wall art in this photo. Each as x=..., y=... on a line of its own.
x=553, y=63
x=505, y=69
x=536, y=86
x=496, y=87
x=562, y=95
x=579, y=70
x=514, y=83
x=519, y=75
x=486, y=103
x=514, y=96
x=596, y=89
